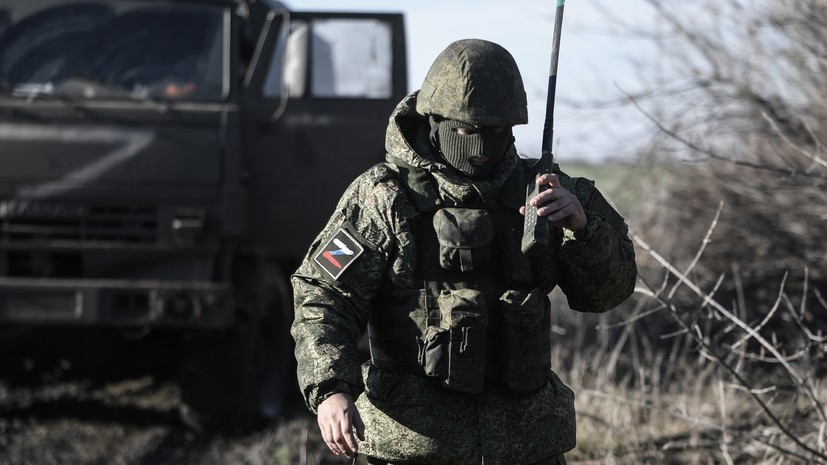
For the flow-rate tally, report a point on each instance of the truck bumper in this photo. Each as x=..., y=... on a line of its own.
x=116, y=303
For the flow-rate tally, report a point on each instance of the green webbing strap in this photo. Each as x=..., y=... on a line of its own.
x=419, y=184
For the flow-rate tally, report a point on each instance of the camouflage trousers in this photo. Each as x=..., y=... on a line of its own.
x=558, y=460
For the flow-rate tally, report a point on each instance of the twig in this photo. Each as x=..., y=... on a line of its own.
x=814, y=157
x=786, y=451
x=797, y=378
x=706, y=240
x=755, y=391
x=708, y=349
x=708, y=151
x=803, y=308
x=769, y=314
x=821, y=298
x=758, y=358
x=673, y=334
x=713, y=303
x=725, y=437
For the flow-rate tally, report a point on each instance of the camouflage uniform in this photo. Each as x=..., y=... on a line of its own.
x=378, y=267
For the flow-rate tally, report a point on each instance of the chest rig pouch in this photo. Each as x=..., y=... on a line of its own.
x=454, y=351
x=466, y=325
x=464, y=236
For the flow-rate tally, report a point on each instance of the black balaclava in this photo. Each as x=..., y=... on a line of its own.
x=457, y=149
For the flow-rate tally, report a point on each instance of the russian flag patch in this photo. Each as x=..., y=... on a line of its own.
x=340, y=251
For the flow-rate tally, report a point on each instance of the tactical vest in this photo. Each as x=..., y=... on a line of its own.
x=475, y=316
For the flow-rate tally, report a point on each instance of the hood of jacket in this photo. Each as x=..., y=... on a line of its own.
x=407, y=140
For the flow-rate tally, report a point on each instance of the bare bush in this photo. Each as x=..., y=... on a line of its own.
x=779, y=377
x=750, y=116
x=728, y=337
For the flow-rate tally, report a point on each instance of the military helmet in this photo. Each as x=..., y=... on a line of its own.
x=476, y=82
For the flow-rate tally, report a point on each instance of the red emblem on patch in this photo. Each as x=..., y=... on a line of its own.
x=338, y=253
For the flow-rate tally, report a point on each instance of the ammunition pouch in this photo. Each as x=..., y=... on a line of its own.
x=395, y=332
x=465, y=236
x=454, y=351
x=434, y=351
x=526, y=340
x=465, y=317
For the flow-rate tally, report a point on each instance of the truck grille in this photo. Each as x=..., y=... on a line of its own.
x=23, y=221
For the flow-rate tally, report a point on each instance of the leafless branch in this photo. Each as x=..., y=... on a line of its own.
x=712, y=353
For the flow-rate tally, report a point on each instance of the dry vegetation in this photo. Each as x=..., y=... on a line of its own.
x=720, y=357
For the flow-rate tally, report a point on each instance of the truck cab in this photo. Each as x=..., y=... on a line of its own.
x=166, y=164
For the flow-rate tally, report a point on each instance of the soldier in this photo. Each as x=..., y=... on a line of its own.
x=423, y=254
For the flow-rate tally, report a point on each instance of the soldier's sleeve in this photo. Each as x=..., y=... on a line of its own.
x=333, y=288
x=597, y=269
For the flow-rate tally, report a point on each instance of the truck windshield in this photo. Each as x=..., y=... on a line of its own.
x=114, y=50
x=334, y=58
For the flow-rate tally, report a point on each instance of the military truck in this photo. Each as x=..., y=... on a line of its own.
x=164, y=165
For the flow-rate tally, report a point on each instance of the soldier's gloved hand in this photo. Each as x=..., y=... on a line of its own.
x=337, y=417
x=559, y=206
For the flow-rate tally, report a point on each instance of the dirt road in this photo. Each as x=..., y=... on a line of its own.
x=133, y=421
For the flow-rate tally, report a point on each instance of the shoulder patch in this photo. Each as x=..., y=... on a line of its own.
x=340, y=251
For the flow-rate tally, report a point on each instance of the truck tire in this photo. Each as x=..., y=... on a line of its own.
x=232, y=382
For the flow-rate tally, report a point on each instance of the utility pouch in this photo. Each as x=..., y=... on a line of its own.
x=433, y=351
x=465, y=317
x=526, y=340
x=465, y=236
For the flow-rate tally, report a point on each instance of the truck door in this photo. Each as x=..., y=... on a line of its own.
x=317, y=107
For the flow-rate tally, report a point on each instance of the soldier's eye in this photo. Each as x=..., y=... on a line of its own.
x=466, y=131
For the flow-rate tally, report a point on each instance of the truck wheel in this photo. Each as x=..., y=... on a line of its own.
x=232, y=382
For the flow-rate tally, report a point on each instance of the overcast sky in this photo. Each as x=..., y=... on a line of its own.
x=595, y=61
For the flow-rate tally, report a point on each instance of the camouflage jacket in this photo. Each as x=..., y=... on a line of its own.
x=371, y=240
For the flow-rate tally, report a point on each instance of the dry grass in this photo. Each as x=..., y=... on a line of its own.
x=674, y=405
